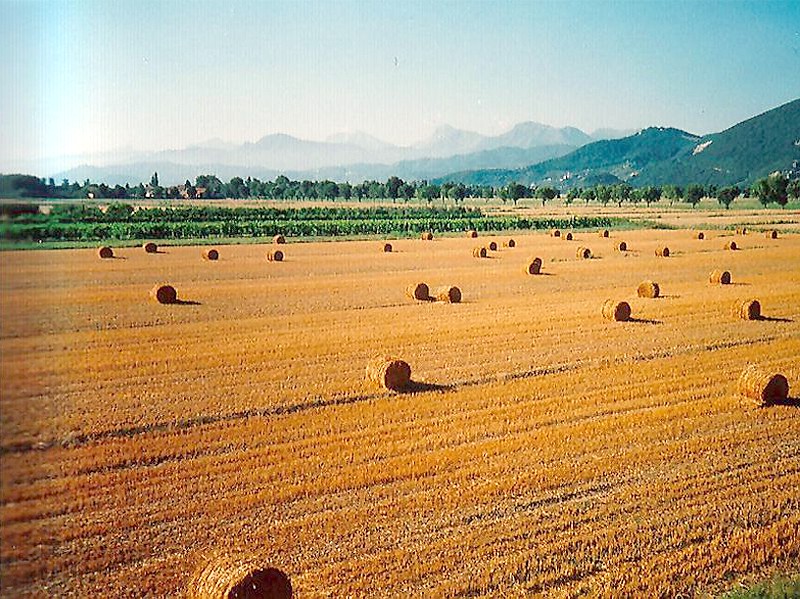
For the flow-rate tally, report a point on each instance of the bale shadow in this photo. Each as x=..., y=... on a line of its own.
x=773, y=319
x=645, y=320
x=789, y=402
x=180, y=302
x=739, y=284
x=119, y=257
x=422, y=387
x=668, y=296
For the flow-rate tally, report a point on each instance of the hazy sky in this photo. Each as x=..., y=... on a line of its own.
x=80, y=77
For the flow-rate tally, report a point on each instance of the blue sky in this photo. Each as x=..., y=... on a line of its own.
x=81, y=77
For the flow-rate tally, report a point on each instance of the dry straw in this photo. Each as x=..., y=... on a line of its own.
x=720, y=277
x=648, y=289
x=387, y=247
x=568, y=236
x=150, y=247
x=164, y=294
x=555, y=233
x=510, y=243
x=622, y=246
x=229, y=578
x=389, y=373
x=418, y=291
x=731, y=245
x=105, y=252
x=450, y=295
x=763, y=387
x=772, y=234
x=279, y=239
x=604, y=233
x=210, y=254
x=662, y=252
x=493, y=246
x=534, y=266
x=479, y=252
x=472, y=233
x=747, y=309
x=700, y=235
x=427, y=236
x=584, y=253
x=618, y=311
x=275, y=256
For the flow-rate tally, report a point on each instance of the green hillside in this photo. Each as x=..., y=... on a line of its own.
x=659, y=156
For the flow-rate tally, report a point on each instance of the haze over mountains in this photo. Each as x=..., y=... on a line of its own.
x=354, y=156
x=529, y=153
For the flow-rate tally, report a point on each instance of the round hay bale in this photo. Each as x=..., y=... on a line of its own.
x=450, y=295
x=493, y=246
x=662, y=252
x=275, y=256
x=731, y=245
x=472, y=233
x=418, y=291
x=555, y=233
x=720, y=277
x=387, y=247
x=617, y=311
x=622, y=246
x=568, y=236
x=584, y=253
x=105, y=252
x=510, y=243
x=741, y=231
x=534, y=266
x=772, y=234
x=747, y=309
x=240, y=579
x=604, y=233
x=279, y=239
x=150, y=247
x=427, y=236
x=164, y=294
x=389, y=373
x=210, y=254
x=648, y=289
x=763, y=387
x=479, y=252
x=700, y=235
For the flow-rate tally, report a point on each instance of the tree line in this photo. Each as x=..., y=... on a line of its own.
x=776, y=188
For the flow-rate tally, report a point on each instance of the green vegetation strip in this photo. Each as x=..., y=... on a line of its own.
x=778, y=588
x=120, y=222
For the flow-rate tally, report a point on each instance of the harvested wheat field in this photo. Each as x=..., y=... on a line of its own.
x=539, y=449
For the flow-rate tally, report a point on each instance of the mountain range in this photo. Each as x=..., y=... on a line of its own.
x=529, y=153
x=739, y=155
x=346, y=156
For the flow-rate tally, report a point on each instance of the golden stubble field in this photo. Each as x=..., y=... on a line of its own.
x=544, y=450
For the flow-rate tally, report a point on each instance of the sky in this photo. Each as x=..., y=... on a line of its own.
x=85, y=77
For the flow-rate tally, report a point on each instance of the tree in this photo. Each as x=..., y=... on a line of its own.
x=545, y=194
x=694, y=193
x=621, y=192
x=772, y=189
x=572, y=195
x=651, y=194
x=514, y=191
x=393, y=187
x=603, y=194
x=726, y=195
x=793, y=189
x=589, y=194
x=154, y=180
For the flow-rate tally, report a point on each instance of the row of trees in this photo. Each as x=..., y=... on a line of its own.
x=776, y=188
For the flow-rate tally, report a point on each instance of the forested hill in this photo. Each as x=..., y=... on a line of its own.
x=657, y=156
